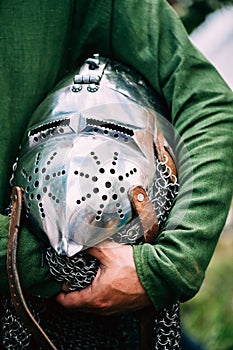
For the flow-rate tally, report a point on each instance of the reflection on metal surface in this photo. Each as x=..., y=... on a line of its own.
x=83, y=150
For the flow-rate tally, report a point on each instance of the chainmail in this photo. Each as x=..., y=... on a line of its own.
x=80, y=331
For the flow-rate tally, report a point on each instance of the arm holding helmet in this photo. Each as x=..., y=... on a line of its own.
x=200, y=106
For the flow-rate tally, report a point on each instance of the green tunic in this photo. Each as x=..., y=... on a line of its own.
x=40, y=41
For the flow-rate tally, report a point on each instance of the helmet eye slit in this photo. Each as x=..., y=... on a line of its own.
x=110, y=126
x=49, y=126
x=45, y=131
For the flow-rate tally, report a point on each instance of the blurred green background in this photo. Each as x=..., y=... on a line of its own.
x=208, y=318
x=194, y=12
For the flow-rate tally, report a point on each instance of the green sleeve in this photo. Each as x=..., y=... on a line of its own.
x=33, y=272
x=149, y=36
x=34, y=47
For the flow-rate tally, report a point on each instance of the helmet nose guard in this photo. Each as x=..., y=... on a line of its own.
x=87, y=145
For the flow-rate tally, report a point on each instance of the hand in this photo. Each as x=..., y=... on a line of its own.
x=116, y=287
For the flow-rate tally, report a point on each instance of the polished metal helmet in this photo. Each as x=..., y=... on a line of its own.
x=87, y=144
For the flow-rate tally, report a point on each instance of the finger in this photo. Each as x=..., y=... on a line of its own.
x=70, y=300
x=100, y=250
x=77, y=299
x=95, y=251
x=64, y=288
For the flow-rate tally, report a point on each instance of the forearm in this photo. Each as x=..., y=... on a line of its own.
x=200, y=107
x=174, y=267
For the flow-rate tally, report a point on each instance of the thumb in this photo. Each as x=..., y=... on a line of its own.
x=100, y=251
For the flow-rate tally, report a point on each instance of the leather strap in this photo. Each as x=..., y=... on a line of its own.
x=37, y=333
x=149, y=222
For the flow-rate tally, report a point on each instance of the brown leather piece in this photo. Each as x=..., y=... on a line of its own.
x=38, y=335
x=145, y=211
x=164, y=151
